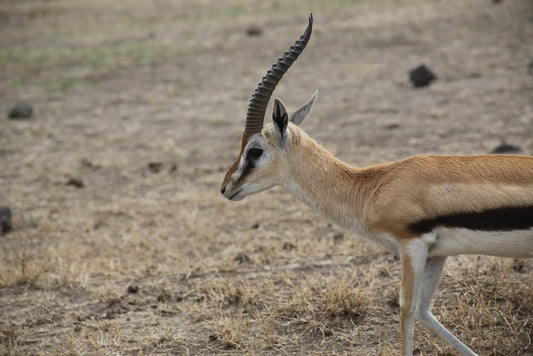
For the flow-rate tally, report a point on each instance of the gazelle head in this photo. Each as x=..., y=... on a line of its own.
x=263, y=149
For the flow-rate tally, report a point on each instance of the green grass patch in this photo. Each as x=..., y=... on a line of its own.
x=62, y=84
x=59, y=70
x=96, y=58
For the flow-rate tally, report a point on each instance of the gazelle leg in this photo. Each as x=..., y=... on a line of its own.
x=413, y=255
x=432, y=274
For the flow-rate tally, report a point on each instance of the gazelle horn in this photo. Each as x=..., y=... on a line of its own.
x=258, y=104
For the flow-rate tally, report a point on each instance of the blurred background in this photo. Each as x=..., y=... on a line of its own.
x=119, y=120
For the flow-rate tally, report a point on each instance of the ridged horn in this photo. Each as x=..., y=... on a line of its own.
x=258, y=104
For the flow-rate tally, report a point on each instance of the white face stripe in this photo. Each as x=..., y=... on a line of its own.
x=238, y=172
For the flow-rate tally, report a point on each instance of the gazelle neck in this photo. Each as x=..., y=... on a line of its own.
x=326, y=184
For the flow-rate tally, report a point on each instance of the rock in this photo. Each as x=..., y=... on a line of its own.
x=242, y=257
x=155, y=167
x=392, y=125
x=287, y=246
x=254, y=30
x=338, y=238
x=506, y=148
x=75, y=182
x=20, y=111
x=5, y=220
x=133, y=289
x=173, y=168
x=164, y=297
x=421, y=76
x=89, y=164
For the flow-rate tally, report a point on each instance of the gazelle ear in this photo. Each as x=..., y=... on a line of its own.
x=299, y=115
x=280, y=116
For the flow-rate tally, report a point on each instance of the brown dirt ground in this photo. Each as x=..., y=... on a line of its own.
x=143, y=102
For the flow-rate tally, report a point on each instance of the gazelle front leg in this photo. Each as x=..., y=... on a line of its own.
x=413, y=254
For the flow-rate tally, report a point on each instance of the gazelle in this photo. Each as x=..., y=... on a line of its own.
x=423, y=208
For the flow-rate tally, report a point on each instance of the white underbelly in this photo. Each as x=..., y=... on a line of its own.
x=454, y=241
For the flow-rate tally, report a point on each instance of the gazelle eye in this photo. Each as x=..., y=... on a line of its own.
x=255, y=153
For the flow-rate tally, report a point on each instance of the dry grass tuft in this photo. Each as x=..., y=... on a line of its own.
x=342, y=299
x=229, y=330
x=227, y=292
x=321, y=305
x=23, y=265
x=9, y=338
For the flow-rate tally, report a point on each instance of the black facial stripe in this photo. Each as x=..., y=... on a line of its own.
x=497, y=219
x=246, y=171
x=249, y=162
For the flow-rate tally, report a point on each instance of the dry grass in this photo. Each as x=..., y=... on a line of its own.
x=143, y=103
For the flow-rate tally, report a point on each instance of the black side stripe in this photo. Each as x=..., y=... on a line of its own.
x=497, y=219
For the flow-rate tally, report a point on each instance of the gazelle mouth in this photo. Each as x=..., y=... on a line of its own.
x=231, y=197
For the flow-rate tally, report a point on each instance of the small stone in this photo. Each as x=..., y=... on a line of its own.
x=338, y=238
x=242, y=257
x=5, y=220
x=254, y=30
x=133, y=289
x=518, y=265
x=75, y=182
x=20, y=111
x=392, y=125
x=155, y=167
x=506, y=148
x=164, y=297
x=421, y=76
x=393, y=298
x=89, y=164
x=287, y=246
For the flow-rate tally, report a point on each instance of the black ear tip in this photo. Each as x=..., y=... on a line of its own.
x=279, y=108
x=277, y=104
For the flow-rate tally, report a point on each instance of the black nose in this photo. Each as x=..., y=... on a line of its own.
x=223, y=190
